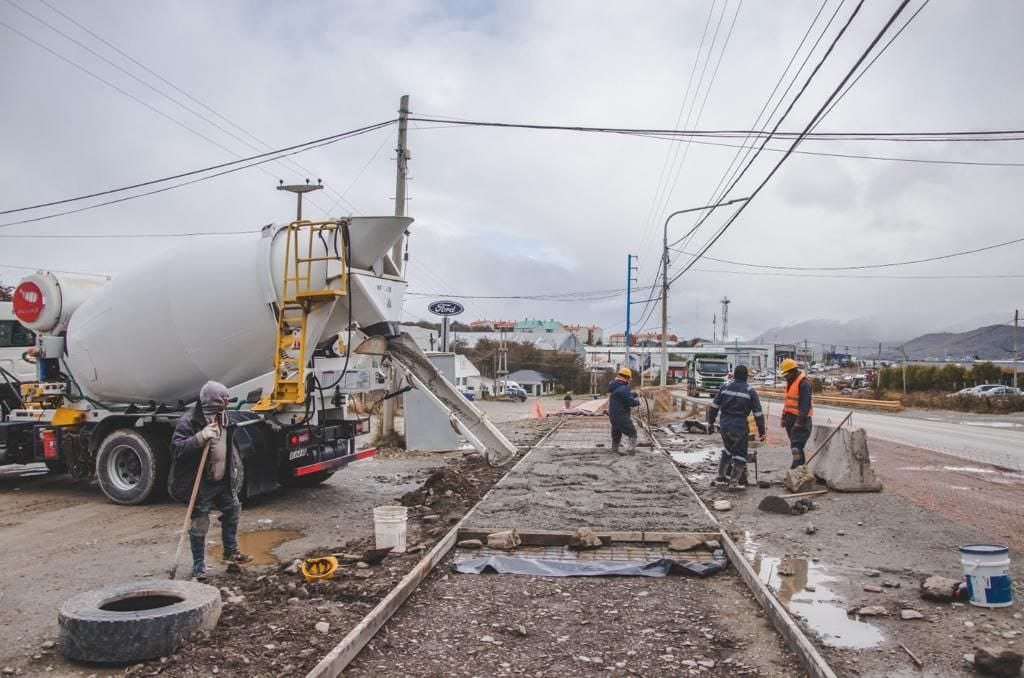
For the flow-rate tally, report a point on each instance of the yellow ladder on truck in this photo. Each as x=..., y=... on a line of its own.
x=299, y=296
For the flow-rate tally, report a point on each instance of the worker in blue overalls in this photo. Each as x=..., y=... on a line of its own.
x=736, y=401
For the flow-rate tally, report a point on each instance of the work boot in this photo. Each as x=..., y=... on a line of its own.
x=237, y=557
x=798, y=459
x=723, y=467
x=615, y=447
x=631, y=445
x=738, y=480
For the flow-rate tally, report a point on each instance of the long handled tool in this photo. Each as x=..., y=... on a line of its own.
x=188, y=513
x=775, y=503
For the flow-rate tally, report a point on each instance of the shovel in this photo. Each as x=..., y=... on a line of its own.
x=774, y=503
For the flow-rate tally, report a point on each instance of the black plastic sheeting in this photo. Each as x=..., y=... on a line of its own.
x=539, y=567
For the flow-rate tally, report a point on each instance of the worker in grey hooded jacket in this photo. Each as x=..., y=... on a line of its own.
x=206, y=424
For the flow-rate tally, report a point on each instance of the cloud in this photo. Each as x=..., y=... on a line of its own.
x=505, y=212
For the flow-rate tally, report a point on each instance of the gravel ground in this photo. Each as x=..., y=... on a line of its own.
x=878, y=539
x=486, y=625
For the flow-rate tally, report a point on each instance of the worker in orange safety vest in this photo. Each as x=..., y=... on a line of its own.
x=797, y=409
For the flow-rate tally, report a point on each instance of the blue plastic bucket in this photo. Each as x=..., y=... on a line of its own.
x=987, y=572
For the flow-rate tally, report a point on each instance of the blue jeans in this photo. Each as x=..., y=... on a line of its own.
x=219, y=495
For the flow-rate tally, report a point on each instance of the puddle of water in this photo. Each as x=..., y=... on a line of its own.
x=821, y=609
x=260, y=544
x=694, y=457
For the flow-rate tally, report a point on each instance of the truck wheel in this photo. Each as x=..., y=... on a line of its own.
x=128, y=623
x=132, y=467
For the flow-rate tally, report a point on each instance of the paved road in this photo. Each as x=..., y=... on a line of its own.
x=979, y=439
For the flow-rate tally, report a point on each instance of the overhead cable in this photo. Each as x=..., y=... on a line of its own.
x=810, y=125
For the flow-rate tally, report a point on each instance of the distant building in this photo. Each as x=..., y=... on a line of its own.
x=491, y=325
x=591, y=335
x=531, y=326
x=533, y=382
x=644, y=339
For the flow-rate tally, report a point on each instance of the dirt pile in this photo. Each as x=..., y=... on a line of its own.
x=269, y=622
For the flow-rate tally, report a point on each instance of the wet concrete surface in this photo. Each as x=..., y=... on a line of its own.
x=570, y=482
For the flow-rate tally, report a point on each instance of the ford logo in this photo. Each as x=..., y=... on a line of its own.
x=446, y=308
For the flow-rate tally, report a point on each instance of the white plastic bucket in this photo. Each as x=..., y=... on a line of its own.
x=987, y=572
x=389, y=527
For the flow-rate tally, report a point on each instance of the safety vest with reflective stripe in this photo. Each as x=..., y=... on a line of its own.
x=792, y=402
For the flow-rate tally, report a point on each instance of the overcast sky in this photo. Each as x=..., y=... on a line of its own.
x=515, y=212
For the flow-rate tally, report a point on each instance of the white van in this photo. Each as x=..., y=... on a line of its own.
x=14, y=341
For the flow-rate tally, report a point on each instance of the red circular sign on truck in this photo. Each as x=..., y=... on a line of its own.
x=28, y=302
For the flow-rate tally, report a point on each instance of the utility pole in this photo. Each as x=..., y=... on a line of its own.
x=714, y=329
x=630, y=268
x=1016, y=320
x=903, y=350
x=401, y=174
x=725, y=319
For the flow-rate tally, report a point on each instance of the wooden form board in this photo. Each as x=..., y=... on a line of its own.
x=561, y=537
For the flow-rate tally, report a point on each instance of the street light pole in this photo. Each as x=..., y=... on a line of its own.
x=664, y=278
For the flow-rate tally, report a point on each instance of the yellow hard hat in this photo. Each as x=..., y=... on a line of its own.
x=625, y=372
x=315, y=569
x=787, y=365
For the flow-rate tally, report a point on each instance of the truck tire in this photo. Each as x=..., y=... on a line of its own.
x=132, y=622
x=132, y=466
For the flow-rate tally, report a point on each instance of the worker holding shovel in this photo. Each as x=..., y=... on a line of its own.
x=796, y=410
x=202, y=461
x=736, y=401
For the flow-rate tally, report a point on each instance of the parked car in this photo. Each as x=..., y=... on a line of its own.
x=999, y=392
x=516, y=391
x=969, y=391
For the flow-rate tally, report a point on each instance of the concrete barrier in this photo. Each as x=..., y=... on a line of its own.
x=844, y=464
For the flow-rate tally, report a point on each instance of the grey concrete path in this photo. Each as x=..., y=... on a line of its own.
x=570, y=482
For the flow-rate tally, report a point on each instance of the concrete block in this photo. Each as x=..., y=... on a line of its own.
x=845, y=464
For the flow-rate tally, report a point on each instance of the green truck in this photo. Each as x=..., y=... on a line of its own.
x=706, y=373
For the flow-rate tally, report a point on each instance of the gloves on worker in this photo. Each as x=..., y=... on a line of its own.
x=210, y=432
x=762, y=437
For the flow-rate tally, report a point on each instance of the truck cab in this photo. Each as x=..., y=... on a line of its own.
x=706, y=373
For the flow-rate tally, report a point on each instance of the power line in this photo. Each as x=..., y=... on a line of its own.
x=859, y=267
x=99, y=236
x=911, y=136
x=810, y=125
x=854, y=156
x=671, y=152
x=233, y=166
x=190, y=97
x=737, y=175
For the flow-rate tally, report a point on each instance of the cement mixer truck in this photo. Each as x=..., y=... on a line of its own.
x=273, y=314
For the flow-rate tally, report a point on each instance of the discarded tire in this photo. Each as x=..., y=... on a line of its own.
x=136, y=621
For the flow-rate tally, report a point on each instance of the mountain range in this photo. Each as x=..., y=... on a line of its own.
x=864, y=337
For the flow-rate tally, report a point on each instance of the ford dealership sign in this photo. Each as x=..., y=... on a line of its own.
x=446, y=308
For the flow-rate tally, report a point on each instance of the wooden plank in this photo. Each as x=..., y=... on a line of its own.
x=811, y=660
x=561, y=537
x=335, y=661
